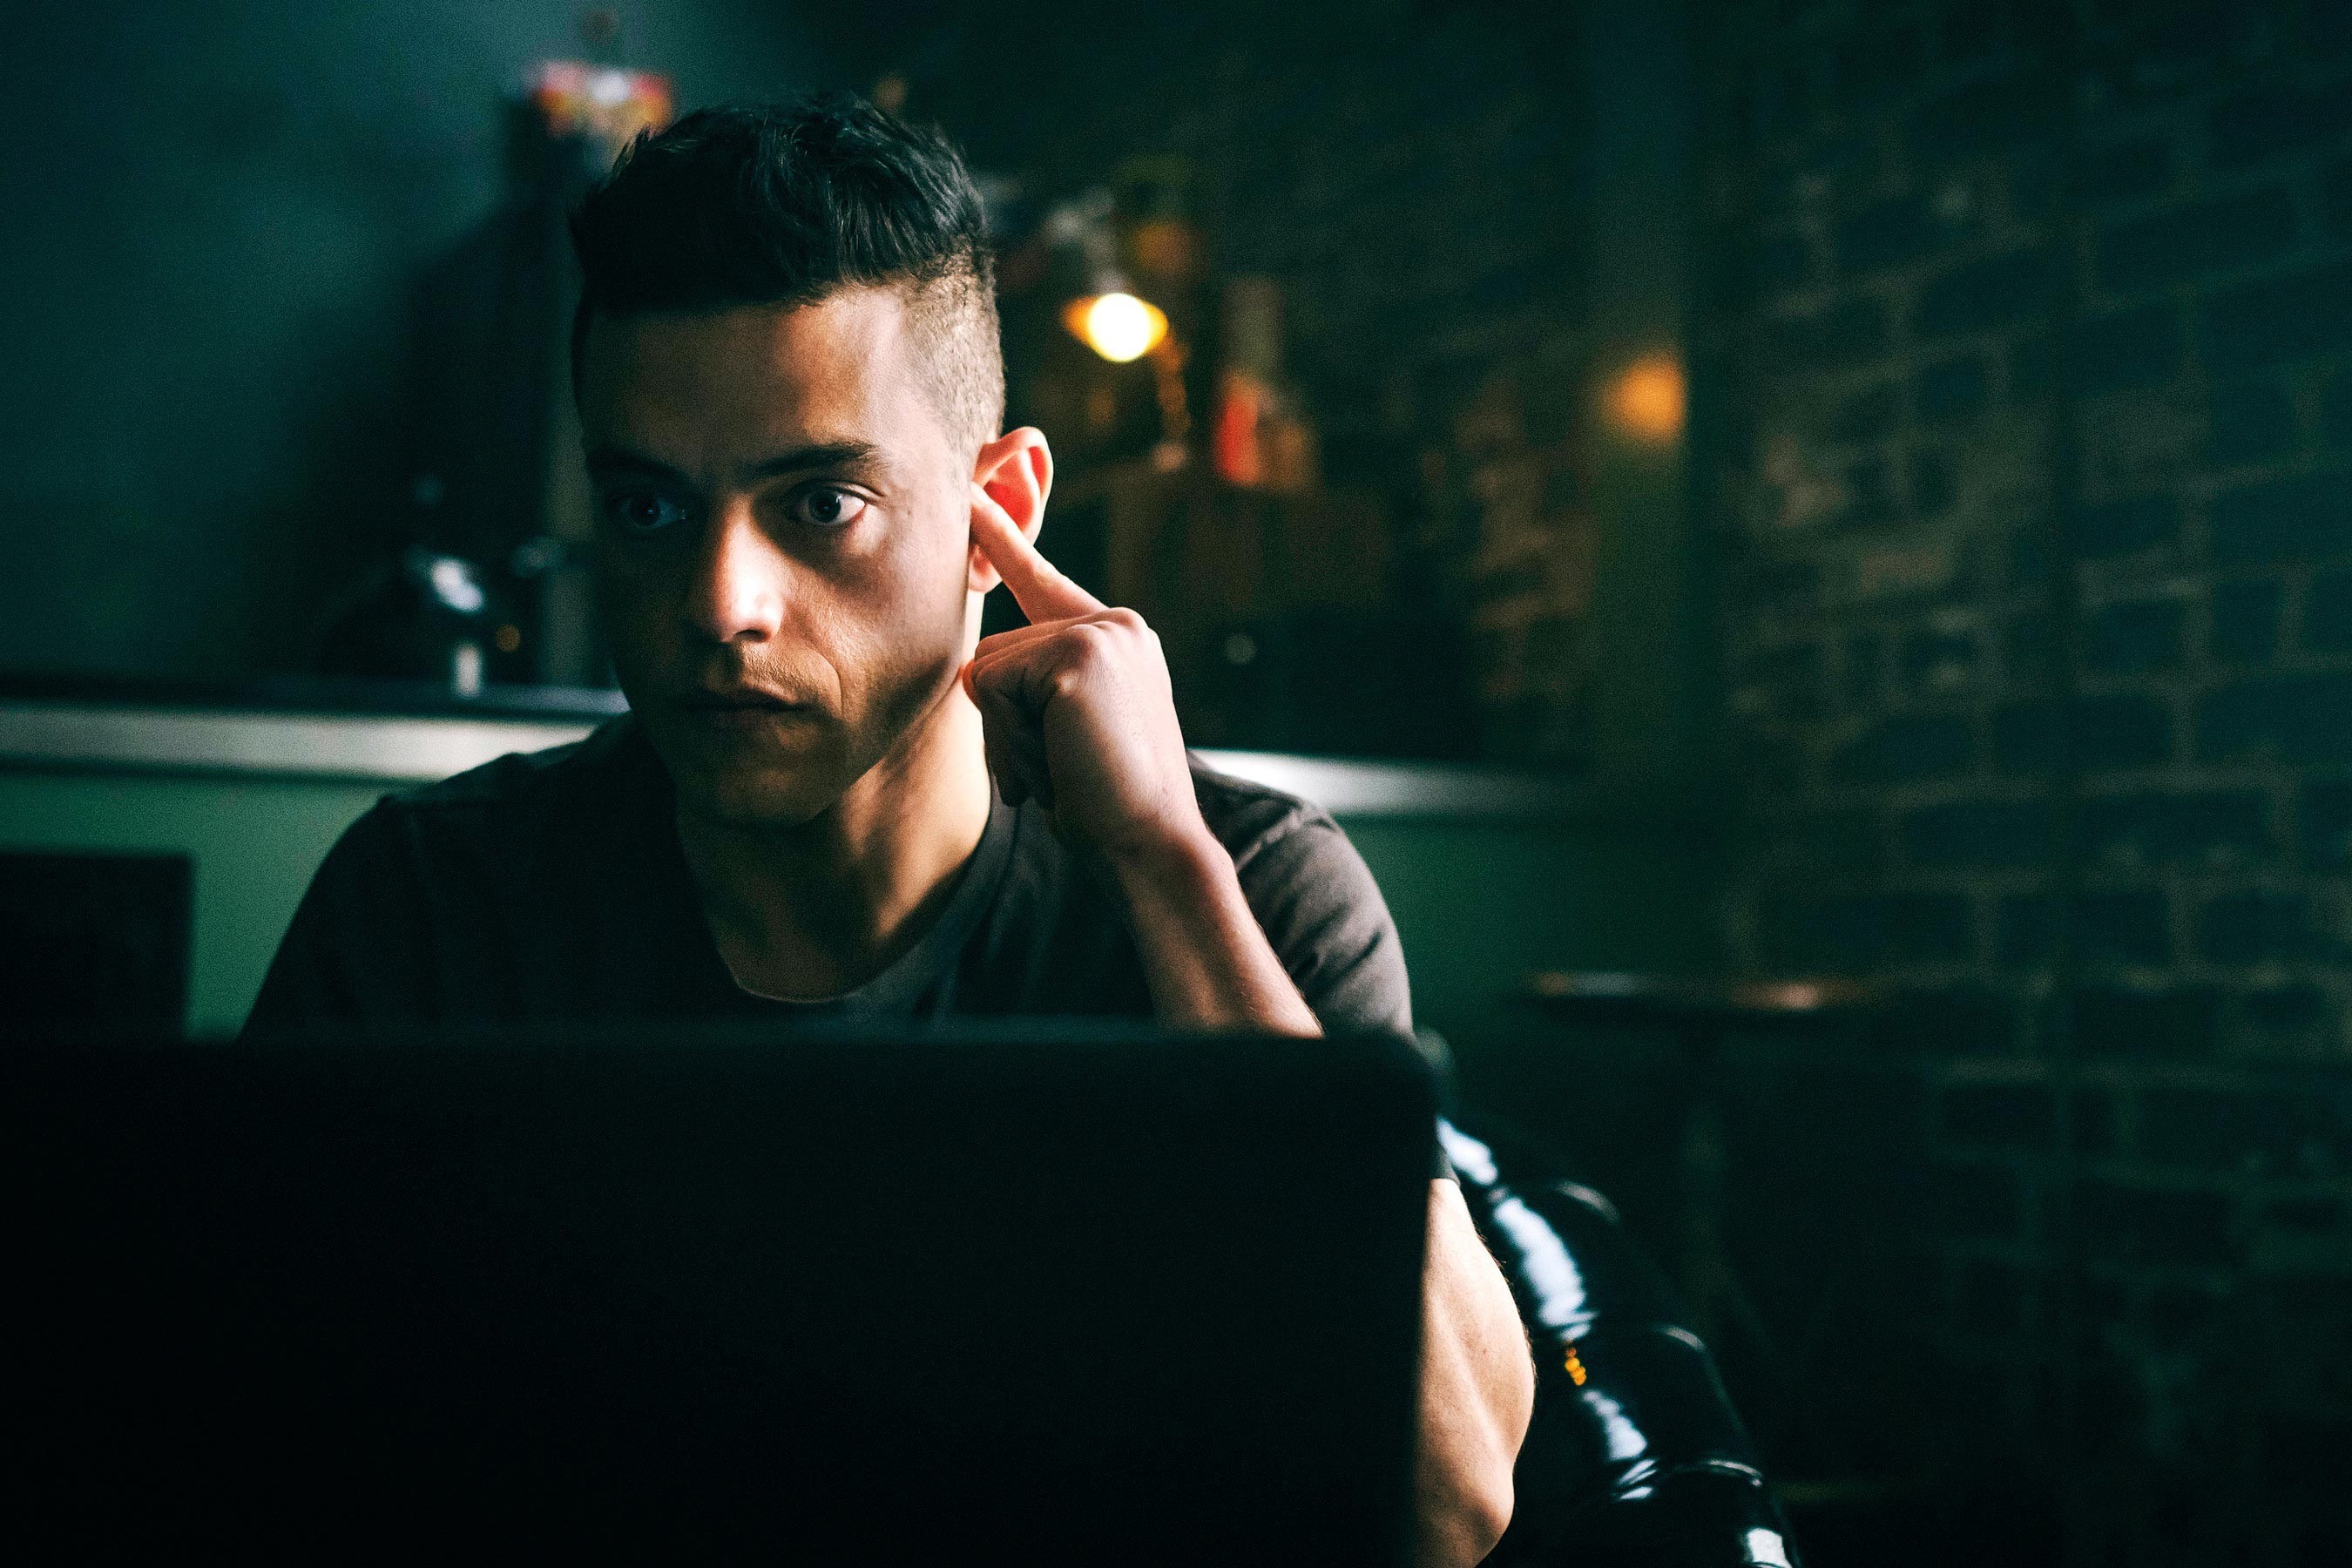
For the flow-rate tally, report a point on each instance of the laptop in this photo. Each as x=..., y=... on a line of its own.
x=1019, y=1295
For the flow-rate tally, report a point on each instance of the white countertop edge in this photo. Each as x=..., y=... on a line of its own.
x=1349, y=787
x=395, y=750
x=390, y=749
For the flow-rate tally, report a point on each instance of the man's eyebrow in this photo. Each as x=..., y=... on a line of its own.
x=605, y=456
x=816, y=455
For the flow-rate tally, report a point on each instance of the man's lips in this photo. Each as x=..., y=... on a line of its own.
x=738, y=700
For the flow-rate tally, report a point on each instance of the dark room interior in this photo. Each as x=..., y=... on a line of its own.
x=1806, y=544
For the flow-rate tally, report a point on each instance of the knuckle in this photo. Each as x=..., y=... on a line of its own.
x=1090, y=641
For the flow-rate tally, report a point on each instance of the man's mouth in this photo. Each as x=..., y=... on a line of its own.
x=738, y=705
x=745, y=697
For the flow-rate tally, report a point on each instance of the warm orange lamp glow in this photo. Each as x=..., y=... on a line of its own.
x=1119, y=327
x=1647, y=399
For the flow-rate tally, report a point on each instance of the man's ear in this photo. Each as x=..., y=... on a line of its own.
x=1016, y=469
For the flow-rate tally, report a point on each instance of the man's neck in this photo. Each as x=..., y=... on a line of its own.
x=819, y=908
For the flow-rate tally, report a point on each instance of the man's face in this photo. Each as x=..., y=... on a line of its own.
x=783, y=535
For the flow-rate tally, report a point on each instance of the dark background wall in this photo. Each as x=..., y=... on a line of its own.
x=215, y=214
x=2035, y=534
x=1475, y=214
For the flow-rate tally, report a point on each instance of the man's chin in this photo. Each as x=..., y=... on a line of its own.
x=762, y=800
x=746, y=785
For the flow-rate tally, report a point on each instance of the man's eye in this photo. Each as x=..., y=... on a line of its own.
x=827, y=507
x=642, y=511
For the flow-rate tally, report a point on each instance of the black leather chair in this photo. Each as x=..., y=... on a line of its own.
x=1636, y=1456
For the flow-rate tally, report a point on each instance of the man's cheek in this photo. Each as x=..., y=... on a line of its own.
x=634, y=621
x=896, y=593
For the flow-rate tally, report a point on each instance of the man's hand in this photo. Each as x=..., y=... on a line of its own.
x=1076, y=713
x=1076, y=708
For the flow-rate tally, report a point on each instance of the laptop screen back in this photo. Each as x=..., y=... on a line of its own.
x=1107, y=1298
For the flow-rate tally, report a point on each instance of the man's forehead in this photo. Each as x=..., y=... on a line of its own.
x=705, y=385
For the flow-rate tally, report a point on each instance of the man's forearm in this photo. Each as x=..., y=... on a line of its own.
x=1205, y=958
x=1211, y=967
x=1478, y=1391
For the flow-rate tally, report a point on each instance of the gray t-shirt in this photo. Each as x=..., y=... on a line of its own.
x=552, y=887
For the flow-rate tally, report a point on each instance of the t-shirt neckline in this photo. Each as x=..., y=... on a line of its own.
x=905, y=981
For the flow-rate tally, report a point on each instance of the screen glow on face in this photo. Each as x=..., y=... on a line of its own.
x=780, y=517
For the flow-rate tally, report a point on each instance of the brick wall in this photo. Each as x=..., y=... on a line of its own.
x=2034, y=513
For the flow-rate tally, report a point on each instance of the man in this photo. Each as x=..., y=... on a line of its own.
x=831, y=797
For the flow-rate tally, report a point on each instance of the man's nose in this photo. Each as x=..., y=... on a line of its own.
x=738, y=589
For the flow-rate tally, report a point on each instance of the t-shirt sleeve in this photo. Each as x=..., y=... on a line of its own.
x=1324, y=914
x=1316, y=901
x=356, y=951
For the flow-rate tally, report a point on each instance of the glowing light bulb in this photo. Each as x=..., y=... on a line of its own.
x=1646, y=400
x=1119, y=327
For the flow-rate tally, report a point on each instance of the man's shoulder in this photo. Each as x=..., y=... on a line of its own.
x=521, y=816
x=1249, y=817
x=1313, y=898
x=528, y=784
x=441, y=901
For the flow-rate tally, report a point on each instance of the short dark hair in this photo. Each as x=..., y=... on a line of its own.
x=785, y=204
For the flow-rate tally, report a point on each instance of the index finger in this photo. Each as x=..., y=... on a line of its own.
x=1037, y=584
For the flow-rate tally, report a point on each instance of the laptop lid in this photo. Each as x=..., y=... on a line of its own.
x=1098, y=1296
